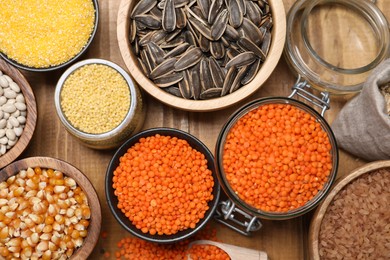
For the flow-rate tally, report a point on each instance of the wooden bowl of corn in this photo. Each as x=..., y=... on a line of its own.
x=17, y=101
x=185, y=54
x=49, y=209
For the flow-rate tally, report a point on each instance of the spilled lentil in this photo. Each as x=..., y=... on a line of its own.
x=277, y=157
x=163, y=185
x=95, y=98
x=40, y=34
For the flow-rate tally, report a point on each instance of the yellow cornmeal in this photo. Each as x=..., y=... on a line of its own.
x=44, y=33
x=95, y=98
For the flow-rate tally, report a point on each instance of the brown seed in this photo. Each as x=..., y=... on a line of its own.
x=172, y=35
x=236, y=84
x=230, y=76
x=148, y=20
x=184, y=85
x=155, y=52
x=206, y=80
x=142, y=7
x=204, y=43
x=169, y=16
x=173, y=91
x=231, y=33
x=251, y=73
x=195, y=83
x=205, y=30
x=204, y=6
x=181, y=18
x=167, y=66
x=248, y=45
x=211, y=93
x=144, y=68
x=217, y=49
x=215, y=7
x=241, y=59
x=177, y=51
x=190, y=38
x=172, y=43
x=189, y=59
x=266, y=42
x=219, y=26
x=216, y=73
x=168, y=80
x=253, y=12
x=235, y=13
x=251, y=31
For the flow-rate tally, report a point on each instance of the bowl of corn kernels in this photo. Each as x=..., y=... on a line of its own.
x=18, y=113
x=46, y=35
x=49, y=210
x=161, y=185
x=99, y=104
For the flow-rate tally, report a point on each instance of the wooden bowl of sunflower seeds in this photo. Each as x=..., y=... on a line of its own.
x=201, y=55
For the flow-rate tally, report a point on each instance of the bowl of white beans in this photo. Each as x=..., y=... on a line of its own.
x=18, y=113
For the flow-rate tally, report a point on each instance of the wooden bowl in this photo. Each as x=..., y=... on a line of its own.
x=31, y=119
x=82, y=181
x=319, y=214
x=276, y=49
x=112, y=200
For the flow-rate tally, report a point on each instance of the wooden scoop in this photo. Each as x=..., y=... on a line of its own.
x=235, y=252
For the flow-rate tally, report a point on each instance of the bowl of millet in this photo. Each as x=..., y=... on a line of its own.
x=161, y=185
x=49, y=210
x=46, y=35
x=18, y=113
x=99, y=104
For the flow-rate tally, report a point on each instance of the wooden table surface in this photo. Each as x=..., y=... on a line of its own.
x=280, y=239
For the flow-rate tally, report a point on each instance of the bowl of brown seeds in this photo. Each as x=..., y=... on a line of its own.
x=201, y=55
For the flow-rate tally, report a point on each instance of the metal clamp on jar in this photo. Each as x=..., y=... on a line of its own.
x=322, y=69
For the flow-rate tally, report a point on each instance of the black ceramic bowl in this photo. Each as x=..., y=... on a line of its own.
x=66, y=63
x=112, y=200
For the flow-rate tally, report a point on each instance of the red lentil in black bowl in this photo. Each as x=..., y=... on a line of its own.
x=161, y=185
x=42, y=36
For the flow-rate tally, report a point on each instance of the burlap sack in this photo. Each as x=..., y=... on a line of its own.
x=362, y=127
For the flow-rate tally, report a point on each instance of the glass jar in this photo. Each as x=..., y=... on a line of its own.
x=351, y=38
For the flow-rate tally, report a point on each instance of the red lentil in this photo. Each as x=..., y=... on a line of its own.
x=163, y=185
x=277, y=157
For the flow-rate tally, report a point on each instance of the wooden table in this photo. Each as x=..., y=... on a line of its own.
x=280, y=239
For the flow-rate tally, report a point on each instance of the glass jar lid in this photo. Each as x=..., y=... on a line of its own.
x=335, y=44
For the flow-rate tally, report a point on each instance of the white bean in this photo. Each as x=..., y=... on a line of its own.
x=3, y=81
x=16, y=113
x=18, y=131
x=15, y=87
x=3, y=100
x=1, y=114
x=20, y=98
x=2, y=133
x=9, y=93
x=21, y=119
x=1, y=91
x=9, y=126
x=10, y=134
x=20, y=106
x=3, y=123
x=1, y=73
x=6, y=115
x=14, y=122
x=23, y=113
x=8, y=78
x=11, y=101
x=3, y=149
x=4, y=140
x=10, y=108
x=11, y=143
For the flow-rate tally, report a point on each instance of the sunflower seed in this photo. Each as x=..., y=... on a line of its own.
x=170, y=36
x=146, y=61
x=166, y=67
x=148, y=20
x=231, y=53
x=211, y=93
x=181, y=18
x=204, y=6
x=175, y=52
x=195, y=83
x=217, y=49
x=169, y=16
x=251, y=73
x=236, y=84
x=190, y=38
x=133, y=31
x=215, y=7
x=204, y=43
x=251, y=31
x=253, y=13
x=242, y=5
x=206, y=80
x=241, y=59
x=196, y=13
x=235, y=13
x=219, y=25
x=225, y=42
x=172, y=43
x=156, y=12
x=181, y=3
x=184, y=85
x=144, y=68
x=189, y=59
x=173, y=91
x=266, y=43
x=205, y=30
x=230, y=76
x=192, y=30
x=216, y=72
x=168, y=80
x=142, y=7
x=146, y=38
x=248, y=45
x=155, y=52
x=136, y=46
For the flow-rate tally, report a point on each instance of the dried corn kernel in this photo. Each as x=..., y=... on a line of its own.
x=41, y=34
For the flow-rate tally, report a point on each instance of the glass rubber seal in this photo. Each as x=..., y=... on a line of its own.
x=335, y=44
